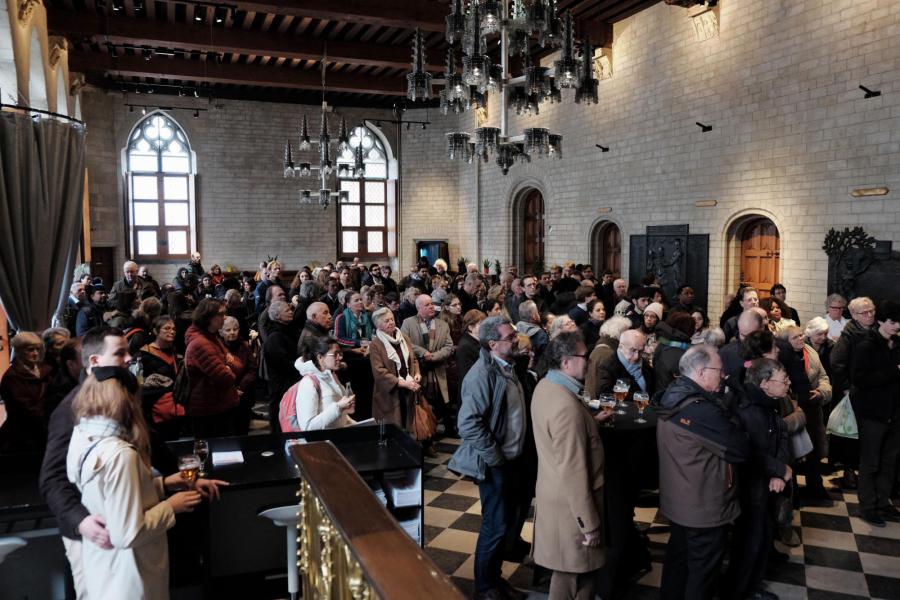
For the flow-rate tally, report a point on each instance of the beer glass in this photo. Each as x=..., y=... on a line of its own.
x=189, y=466
x=641, y=400
x=608, y=404
x=201, y=449
x=620, y=390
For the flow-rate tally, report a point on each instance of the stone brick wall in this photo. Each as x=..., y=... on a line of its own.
x=792, y=136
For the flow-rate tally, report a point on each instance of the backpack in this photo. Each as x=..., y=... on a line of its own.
x=287, y=408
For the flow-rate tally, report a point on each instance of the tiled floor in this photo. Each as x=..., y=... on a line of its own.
x=842, y=557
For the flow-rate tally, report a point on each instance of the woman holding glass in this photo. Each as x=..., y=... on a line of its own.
x=322, y=401
x=109, y=462
x=353, y=326
x=395, y=369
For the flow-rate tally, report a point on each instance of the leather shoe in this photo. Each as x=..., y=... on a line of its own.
x=873, y=518
x=509, y=592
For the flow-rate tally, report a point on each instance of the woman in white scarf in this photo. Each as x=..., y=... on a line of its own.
x=394, y=368
x=109, y=462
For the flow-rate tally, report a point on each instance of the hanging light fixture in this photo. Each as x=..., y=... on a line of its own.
x=447, y=106
x=304, y=135
x=476, y=65
x=288, y=160
x=418, y=82
x=486, y=141
x=458, y=145
x=551, y=35
x=536, y=19
x=455, y=88
x=476, y=99
x=359, y=163
x=343, y=137
x=566, y=68
x=456, y=23
x=536, y=80
x=490, y=17
x=495, y=78
x=587, y=91
x=537, y=141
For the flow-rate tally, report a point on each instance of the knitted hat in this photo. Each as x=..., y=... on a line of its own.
x=656, y=308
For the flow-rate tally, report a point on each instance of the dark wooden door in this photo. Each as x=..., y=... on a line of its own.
x=533, y=230
x=760, y=255
x=102, y=264
x=610, y=250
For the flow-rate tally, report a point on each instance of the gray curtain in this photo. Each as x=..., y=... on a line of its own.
x=41, y=186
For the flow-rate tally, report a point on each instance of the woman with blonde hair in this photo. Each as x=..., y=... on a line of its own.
x=24, y=389
x=109, y=462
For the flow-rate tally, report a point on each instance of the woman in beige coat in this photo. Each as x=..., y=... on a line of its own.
x=109, y=462
x=394, y=368
x=568, y=522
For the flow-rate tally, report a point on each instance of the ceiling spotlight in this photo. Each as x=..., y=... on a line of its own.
x=117, y=5
x=196, y=93
x=147, y=53
x=220, y=14
x=423, y=126
x=143, y=111
x=199, y=13
x=870, y=93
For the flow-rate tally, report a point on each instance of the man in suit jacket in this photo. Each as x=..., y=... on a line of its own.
x=568, y=522
x=432, y=346
x=626, y=363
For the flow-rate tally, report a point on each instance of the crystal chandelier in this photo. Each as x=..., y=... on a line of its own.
x=325, y=166
x=518, y=22
x=418, y=82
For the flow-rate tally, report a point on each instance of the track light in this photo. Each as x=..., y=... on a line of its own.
x=147, y=53
x=220, y=14
x=199, y=13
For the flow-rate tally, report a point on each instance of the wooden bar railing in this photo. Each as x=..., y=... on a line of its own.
x=349, y=545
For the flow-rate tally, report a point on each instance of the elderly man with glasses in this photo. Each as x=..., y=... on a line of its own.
x=626, y=363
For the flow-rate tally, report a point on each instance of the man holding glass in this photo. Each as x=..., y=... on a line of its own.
x=568, y=522
x=698, y=444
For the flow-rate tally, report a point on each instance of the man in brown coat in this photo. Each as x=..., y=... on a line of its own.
x=568, y=522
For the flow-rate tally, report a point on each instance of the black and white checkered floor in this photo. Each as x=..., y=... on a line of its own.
x=841, y=558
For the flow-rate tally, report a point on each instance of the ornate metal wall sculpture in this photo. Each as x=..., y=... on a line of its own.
x=860, y=265
x=674, y=256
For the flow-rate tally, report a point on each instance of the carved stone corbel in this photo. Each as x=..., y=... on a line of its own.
x=76, y=83
x=26, y=10
x=705, y=20
x=603, y=63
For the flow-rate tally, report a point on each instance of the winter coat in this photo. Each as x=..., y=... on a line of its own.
x=317, y=400
x=612, y=369
x=387, y=393
x=89, y=316
x=569, y=495
x=698, y=445
x=467, y=354
x=875, y=378
x=280, y=351
x=590, y=331
x=212, y=381
x=760, y=416
x=24, y=393
x=842, y=356
x=671, y=346
x=603, y=349
x=156, y=395
x=441, y=348
x=116, y=483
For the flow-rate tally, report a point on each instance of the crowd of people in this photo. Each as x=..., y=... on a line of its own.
x=502, y=361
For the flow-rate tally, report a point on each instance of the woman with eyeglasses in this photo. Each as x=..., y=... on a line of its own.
x=322, y=401
x=160, y=368
x=761, y=479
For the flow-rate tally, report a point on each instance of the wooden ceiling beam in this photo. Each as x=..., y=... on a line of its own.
x=136, y=32
x=427, y=15
x=233, y=74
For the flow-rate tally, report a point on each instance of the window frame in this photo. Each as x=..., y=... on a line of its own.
x=161, y=230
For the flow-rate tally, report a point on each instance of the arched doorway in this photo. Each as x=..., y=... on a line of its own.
x=759, y=256
x=532, y=240
x=606, y=248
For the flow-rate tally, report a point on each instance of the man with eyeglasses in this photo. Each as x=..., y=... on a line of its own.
x=862, y=313
x=628, y=364
x=834, y=317
x=569, y=535
x=698, y=445
x=493, y=428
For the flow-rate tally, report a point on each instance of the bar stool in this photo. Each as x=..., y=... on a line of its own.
x=286, y=516
x=10, y=544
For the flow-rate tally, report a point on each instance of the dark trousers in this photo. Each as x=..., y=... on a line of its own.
x=879, y=446
x=750, y=544
x=812, y=466
x=497, y=518
x=693, y=558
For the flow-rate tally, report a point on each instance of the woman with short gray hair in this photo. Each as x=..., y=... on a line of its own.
x=817, y=332
x=395, y=369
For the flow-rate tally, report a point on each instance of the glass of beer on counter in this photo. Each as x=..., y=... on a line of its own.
x=641, y=400
x=620, y=390
x=201, y=449
x=189, y=466
x=608, y=404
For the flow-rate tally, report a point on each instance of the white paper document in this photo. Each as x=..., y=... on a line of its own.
x=227, y=458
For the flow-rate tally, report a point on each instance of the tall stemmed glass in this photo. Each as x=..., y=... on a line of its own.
x=641, y=400
x=201, y=449
x=620, y=391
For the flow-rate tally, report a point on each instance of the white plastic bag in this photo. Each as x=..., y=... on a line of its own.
x=842, y=421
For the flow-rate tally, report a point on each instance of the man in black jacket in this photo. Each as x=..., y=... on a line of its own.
x=699, y=444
